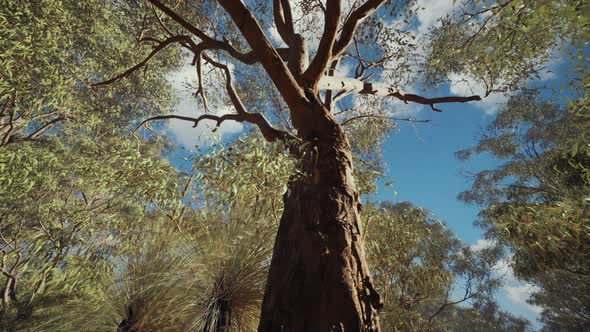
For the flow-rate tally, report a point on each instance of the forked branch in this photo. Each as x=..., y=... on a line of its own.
x=284, y=20
x=349, y=28
x=324, y=56
x=270, y=133
x=268, y=55
x=242, y=115
x=208, y=42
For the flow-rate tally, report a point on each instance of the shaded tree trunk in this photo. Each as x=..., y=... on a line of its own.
x=219, y=319
x=318, y=279
x=126, y=325
x=8, y=292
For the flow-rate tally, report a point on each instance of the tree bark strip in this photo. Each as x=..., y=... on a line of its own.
x=319, y=279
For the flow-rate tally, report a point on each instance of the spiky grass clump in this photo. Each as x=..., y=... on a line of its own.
x=214, y=284
x=148, y=292
x=231, y=269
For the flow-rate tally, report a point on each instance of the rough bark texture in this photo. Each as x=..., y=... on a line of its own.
x=319, y=279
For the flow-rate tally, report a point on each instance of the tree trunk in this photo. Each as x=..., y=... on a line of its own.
x=8, y=292
x=126, y=325
x=319, y=279
x=219, y=319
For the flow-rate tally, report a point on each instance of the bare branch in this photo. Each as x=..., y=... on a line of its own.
x=159, y=18
x=349, y=28
x=329, y=100
x=208, y=42
x=376, y=116
x=284, y=20
x=288, y=16
x=158, y=48
x=197, y=61
x=44, y=128
x=358, y=86
x=270, y=133
x=184, y=23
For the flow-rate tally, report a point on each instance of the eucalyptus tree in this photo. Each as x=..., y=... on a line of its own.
x=51, y=50
x=72, y=181
x=484, y=316
x=422, y=270
x=319, y=278
x=536, y=202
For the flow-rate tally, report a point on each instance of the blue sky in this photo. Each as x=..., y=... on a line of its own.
x=420, y=159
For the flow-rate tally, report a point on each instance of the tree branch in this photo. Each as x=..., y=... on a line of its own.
x=324, y=53
x=158, y=48
x=200, y=90
x=284, y=20
x=270, y=133
x=231, y=91
x=44, y=128
x=376, y=116
x=375, y=89
x=349, y=28
x=268, y=56
x=329, y=98
x=208, y=42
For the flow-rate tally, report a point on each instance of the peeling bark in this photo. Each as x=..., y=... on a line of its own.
x=319, y=279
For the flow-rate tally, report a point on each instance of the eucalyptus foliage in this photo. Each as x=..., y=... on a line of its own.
x=73, y=182
x=504, y=43
x=422, y=270
x=52, y=51
x=537, y=201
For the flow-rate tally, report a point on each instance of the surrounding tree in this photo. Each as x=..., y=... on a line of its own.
x=422, y=270
x=536, y=202
x=52, y=49
x=483, y=316
x=205, y=269
x=73, y=182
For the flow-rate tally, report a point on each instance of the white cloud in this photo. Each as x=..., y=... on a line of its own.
x=482, y=244
x=432, y=12
x=400, y=109
x=518, y=294
x=504, y=270
x=514, y=291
